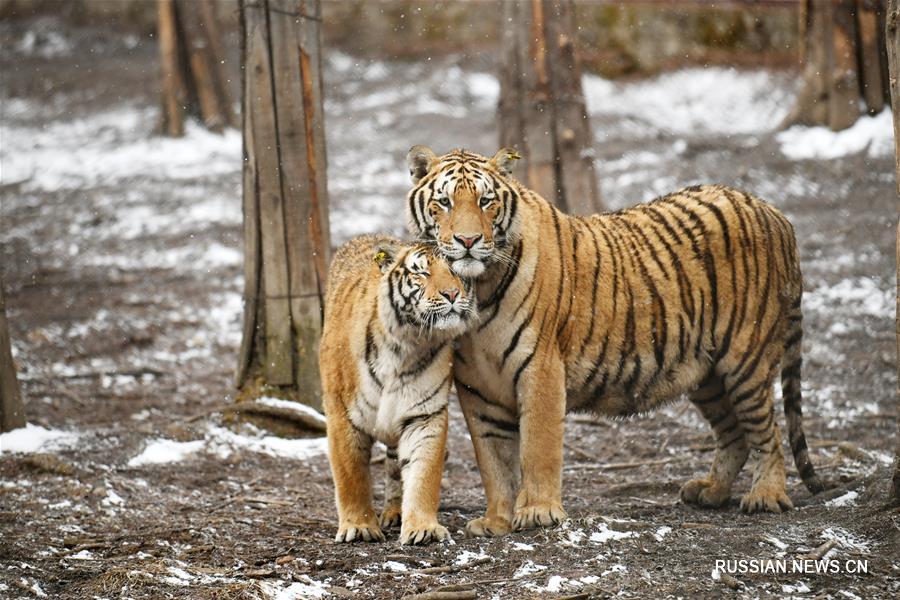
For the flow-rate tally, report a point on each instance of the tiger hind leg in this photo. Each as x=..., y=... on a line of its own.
x=731, y=447
x=753, y=402
x=393, y=491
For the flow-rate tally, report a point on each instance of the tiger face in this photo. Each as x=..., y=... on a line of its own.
x=422, y=291
x=465, y=204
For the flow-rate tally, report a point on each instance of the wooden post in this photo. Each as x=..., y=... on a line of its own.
x=542, y=111
x=844, y=62
x=892, y=30
x=12, y=413
x=286, y=236
x=193, y=82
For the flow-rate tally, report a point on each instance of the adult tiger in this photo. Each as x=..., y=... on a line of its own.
x=695, y=293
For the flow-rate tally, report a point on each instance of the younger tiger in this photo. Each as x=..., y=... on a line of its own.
x=391, y=312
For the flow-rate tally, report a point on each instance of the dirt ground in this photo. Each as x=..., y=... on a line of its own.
x=123, y=281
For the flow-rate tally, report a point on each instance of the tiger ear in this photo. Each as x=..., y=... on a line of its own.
x=419, y=159
x=504, y=158
x=385, y=255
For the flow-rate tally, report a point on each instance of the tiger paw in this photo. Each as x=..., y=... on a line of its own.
x=766, y=499
x=704, y=492
x=415, y=535
x=354, y=531
x=390, y=517
x=488, y=527
x=548, y=514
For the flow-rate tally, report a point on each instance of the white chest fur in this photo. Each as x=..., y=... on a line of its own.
x=398, y=386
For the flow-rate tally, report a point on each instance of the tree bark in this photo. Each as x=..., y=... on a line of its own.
x=892, y=37
x=542, y=111
x=844, y=63
x=12, y=412
x=286, y=237
x=191, y=57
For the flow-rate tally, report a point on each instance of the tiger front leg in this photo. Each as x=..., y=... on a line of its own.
x=542, y=413
x=349, y=453
x=494, y=430
x=421, y=460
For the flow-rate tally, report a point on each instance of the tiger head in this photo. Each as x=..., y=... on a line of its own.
x=464, y=203
x=419, y=289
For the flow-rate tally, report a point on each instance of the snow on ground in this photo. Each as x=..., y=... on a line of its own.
x=223, y=442
x=109, y=147
x=298, y=590
x=872, y=135
x=34, y=438
x=293, y=406
x=163, y=451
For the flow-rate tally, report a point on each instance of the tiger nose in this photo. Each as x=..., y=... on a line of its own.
x=469, y=241
x=450, y=294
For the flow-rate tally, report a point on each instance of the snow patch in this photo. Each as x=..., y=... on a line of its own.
x=797, y=588
x=299, y=590
x=845, y=539
x=522, y=547
x=688, y=101
x=466, y=556
x=113, y=146
x=528, y=568
x=161, y=451
x=874, y=135
x=861, y=296
x=112, y=498
x=848, y=499
x=396, y=567
x=34, y=438
x=296, y=407
x=604, y=534
x=224, y=441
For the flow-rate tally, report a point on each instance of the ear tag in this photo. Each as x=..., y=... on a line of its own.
x=513, y=155
x=379, y=257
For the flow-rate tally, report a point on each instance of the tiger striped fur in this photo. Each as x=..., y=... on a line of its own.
x=391, y=312
x=696, y=293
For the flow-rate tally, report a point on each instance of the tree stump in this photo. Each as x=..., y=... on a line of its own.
x=285, y=200
x=191, y=57
x=845, y=62
x=12, y=413
x=542, y=111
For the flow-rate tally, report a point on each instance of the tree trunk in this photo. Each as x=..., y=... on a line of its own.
x=12, y=413
x=844, y=63
x=193, y=83
x=286, y=237
x=542, y=111
x=893, y=53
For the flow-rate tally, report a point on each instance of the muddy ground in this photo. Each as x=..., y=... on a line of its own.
x=121, y=260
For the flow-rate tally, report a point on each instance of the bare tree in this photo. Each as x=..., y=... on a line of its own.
x=542, y=109
x=892, y=31
x=844, y=62
x=191, y=57
x=286, y=238
x=12, y=413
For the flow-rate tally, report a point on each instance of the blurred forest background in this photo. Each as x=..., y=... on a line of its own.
x=615, y=38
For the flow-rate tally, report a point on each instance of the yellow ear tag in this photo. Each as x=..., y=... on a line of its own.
x=513, y=156
x=379, y=257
